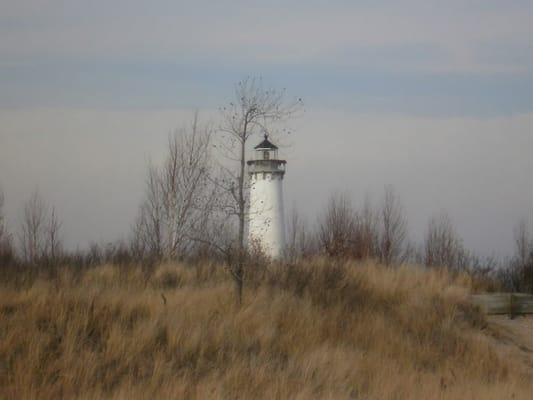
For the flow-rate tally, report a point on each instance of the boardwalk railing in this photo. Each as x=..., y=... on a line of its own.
x=504, y=303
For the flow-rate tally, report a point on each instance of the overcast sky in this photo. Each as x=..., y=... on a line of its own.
x=433, y=97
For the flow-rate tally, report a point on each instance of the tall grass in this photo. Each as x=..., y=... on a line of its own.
x=314, y=330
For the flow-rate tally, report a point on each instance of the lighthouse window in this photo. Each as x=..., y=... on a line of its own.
x=266, y=155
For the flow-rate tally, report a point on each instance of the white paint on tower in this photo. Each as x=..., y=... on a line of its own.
x=266, y=226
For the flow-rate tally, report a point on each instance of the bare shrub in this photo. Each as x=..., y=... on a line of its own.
x=393, y=228
x=336, y=227
x=32, y=237
x=147, y=235
x=366, y=232
x=301, y=241
x=344, y=231
x=179, y=197
x=518, y=276
x=442, y=245
x=54, y=244
x=40, y=233
x=6, y=247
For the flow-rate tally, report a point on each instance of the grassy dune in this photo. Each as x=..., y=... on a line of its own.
x=317, y=330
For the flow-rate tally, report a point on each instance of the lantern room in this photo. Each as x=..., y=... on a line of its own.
x=266, y=160
x=266, y=150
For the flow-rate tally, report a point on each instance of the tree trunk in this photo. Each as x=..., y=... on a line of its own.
x=239, y=270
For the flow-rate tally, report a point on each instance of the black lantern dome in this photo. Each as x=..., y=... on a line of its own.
x=266, y=144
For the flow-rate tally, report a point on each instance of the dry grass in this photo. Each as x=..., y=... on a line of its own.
x=312, y=331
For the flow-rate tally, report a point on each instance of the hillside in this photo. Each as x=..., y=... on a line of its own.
x=316, y=330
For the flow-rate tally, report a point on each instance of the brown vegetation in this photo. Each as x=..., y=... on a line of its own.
x=321, y=329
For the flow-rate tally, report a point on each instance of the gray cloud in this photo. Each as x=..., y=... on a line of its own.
x=282, y=32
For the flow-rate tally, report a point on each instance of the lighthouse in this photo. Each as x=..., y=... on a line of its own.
x=266, y=226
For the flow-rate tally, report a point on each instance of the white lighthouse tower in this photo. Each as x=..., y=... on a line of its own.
x=266, y=216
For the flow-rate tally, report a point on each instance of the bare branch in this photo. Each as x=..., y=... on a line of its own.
x=442, y=246
x=393, y=228
x=179, y=196
x=40, y=231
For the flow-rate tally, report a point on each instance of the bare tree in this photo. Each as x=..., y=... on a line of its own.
x=393, y=230
x=519, y=274
x=32, y=236
x=336, y=227
x=6, y=249
x=442, y=246
x=147, y=240
x=346, y=232
x=254, y=110
x=186, y=189
x=523, y=243
x=300, y=240
x=179, y=196
x=366, y=232
x=3, y=229
x=54, y=244
x=40, y=235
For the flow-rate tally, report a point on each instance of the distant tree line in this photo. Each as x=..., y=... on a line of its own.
x=200, y=231
x=195, y=208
